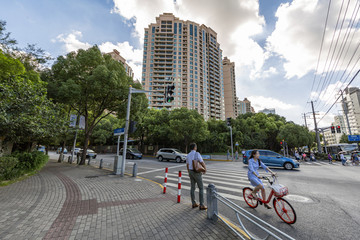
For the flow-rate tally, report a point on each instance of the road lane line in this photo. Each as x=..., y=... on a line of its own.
x=160, y=169
x=210, y=178
x=234, y=197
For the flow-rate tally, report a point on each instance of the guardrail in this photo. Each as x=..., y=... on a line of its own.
x=212, y=213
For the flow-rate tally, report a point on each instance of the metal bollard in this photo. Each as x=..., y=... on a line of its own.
x=69, y=159
x=89, y=160
x=211, y=202
x=134, y=170
x=101, y=163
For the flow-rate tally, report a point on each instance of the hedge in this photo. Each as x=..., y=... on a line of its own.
x=18, y=164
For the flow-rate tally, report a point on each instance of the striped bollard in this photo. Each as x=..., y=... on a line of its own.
x=179, y=188
x=165, y=180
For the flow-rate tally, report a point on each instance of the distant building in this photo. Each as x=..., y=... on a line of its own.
x=351, y=105
x=229, y=89
x=188, y=55
x=268, y=110
x=115, y=54
x=334, y=138
x=244, y=107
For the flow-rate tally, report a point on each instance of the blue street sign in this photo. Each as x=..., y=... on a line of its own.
x=354, y=138
x=119, y=131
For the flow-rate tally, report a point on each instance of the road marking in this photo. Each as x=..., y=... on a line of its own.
x=234, y=226
x=237, y=190
x=233, y=197
x=209, y=178
x=161, y=169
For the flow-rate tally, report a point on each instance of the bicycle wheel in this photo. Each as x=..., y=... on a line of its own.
x=252, y=202
x=284, y=210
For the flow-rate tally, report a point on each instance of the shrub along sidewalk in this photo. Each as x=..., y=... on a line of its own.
x=18, y=166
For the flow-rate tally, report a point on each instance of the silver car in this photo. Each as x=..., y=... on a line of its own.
x=171, y=154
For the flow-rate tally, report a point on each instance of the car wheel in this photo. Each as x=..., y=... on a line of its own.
x=288, y=166
x=128, y=156
x=178, y=159
x=132, y=157
x=94, y=157
x=160, y=158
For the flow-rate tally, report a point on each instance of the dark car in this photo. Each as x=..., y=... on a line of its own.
x=273, y=159
x=132, y=153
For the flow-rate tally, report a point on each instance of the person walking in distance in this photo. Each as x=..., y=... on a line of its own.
x=195, y=177
x=330, y=158
x=254, y=176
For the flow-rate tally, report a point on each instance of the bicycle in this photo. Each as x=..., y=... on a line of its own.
x=282, y=207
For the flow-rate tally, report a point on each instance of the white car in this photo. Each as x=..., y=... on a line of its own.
x=171, y=154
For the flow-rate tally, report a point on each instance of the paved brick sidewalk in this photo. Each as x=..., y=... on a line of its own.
x=66, y=201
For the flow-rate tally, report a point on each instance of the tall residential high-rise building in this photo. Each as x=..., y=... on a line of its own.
x=351, y=105
x=229, y=89
x=244, y=106
x=115, y=54
x=188, y=55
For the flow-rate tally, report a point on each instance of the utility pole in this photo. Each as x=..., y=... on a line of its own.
x=305, y=120
x=316, y=129
x=345, y=110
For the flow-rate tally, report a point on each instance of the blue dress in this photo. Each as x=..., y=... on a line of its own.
x=253, y=167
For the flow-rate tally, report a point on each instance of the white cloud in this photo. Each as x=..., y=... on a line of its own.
x=260, y=102
x=264, y=74
x=72, y=43
x=298, y=33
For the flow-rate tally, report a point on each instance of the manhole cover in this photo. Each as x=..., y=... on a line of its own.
x=91, y=176
x=297, y=198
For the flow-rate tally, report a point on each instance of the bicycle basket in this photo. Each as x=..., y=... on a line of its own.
x=279, y=190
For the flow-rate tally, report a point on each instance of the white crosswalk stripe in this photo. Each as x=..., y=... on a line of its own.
x=229, y=183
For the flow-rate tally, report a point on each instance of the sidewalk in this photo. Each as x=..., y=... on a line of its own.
x=66, y=201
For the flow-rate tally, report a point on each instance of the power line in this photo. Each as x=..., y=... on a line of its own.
x=331, y=44
x=338, y=97
x=321, y=46
x=327, y=80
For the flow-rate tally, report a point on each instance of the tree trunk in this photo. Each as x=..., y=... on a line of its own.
x=62, y=152
x=85, y=147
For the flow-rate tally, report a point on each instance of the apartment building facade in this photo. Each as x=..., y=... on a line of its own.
x=244, y=106
x=188, y=55
x=229, y=89
x=351, y=105
x=115, y=54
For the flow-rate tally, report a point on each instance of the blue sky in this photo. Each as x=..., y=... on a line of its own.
x=274, y=43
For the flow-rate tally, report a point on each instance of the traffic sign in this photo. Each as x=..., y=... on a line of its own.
x=119, y=131
x=354, y=138
x=236, y=144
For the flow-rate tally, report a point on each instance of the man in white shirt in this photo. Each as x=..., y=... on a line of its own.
x=195, y=177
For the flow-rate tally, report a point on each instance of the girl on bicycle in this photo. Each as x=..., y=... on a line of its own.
x=254, y=176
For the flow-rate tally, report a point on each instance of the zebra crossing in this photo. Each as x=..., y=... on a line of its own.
x=326, y=163
x=228, y=182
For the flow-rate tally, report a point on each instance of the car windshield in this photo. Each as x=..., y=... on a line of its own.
x=177, y=151
x=134, y=150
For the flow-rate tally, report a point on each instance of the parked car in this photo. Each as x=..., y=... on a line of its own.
x=41, y=149
x=89, y=153
x=131, y=153
x=171, y=154
x=76, y=150
x=58, y=151
x=273, y=159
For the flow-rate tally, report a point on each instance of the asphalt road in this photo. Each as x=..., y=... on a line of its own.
x=325, y=197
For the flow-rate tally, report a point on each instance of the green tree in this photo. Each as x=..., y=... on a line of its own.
x=187, y=126
x=344, y=139
x=26, y=115
x=295, y=135
x=93, y=85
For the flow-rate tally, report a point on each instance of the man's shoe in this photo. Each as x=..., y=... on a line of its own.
x=202, y=207
x=195, y=205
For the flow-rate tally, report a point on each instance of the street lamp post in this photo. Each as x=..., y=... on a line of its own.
x=131, y=90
